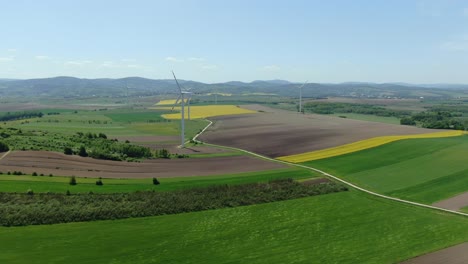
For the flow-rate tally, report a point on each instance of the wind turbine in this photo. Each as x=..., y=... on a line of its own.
x=300, y=96
x=182, y=104
x=126, y=95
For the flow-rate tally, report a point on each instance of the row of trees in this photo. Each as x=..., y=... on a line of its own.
x=98, y=146
x=332, y=108
x=436, y=120
x=19, y=115
x=34, y=209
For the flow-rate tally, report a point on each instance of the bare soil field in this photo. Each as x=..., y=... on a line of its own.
x=63, y=165
x=455, y=203
x=452, y=255
x=275, y=132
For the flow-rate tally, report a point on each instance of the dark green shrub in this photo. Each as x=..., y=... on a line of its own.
x=72, y=180
x=82, y=152
x=67, y=151
x=155, y=181
x=34, y=174
x=99, y=182
x=3, y=147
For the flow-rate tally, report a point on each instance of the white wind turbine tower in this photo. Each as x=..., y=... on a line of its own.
x=182, y=104
x=300, y=96
x=126, y=94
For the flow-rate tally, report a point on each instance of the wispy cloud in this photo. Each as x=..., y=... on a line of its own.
x=78, y=62
x=135, y=66
x=174, y=59
x=460, y=44
x=209, y=67
x=196, y=59
x=6, y=59
x=41, y=57
x=271, y=68
x=108, y=64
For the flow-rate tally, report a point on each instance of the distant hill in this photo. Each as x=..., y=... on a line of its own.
x=71, y=87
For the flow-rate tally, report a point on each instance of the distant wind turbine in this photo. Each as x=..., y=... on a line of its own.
x=300, y=96
x=126, y=83
x=181, y=97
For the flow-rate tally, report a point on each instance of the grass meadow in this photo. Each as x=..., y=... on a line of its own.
x=347, y=227
x=422, y=170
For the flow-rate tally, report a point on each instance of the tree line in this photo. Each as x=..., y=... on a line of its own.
x=9, y=116
x=366, y=109
x=35, y=209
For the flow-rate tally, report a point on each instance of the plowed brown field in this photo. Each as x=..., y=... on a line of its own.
x=64, y=165
x=276, y=133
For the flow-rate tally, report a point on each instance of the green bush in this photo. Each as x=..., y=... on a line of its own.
x=155, y=181
x=82, y=152
x=67, y=151
x=72, y=180
x=3, y=147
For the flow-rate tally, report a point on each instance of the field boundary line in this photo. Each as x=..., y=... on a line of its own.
x=328, y=175
x=4, y=155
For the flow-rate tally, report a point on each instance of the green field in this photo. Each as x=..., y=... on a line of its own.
x=55, y=184
x=116, y=122
x=348, y=227
x=371, y=118
x=423, y=170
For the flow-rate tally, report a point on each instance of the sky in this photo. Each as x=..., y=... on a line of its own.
x=244, y=40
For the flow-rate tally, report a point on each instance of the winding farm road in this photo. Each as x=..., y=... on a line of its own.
x=330, y=176
x=455, y=254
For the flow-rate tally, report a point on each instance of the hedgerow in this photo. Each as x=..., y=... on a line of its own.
x=45, y=208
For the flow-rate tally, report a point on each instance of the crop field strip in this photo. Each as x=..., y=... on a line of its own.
x=47, y=162
x=361, y=145
x=204, y=111
x=58, y=184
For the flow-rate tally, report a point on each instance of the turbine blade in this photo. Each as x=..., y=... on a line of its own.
x=176, y=102
x=303, y=84
x=180, y=90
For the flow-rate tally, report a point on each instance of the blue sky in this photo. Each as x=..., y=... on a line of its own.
x=216, y=41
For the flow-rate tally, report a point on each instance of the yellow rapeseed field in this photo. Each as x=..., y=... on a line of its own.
x=168, y=102
x=204, y=111
x=361, y=145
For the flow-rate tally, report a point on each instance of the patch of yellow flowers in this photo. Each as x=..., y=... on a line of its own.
x=204, y=111
x=168, y=102
x=361, y=145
